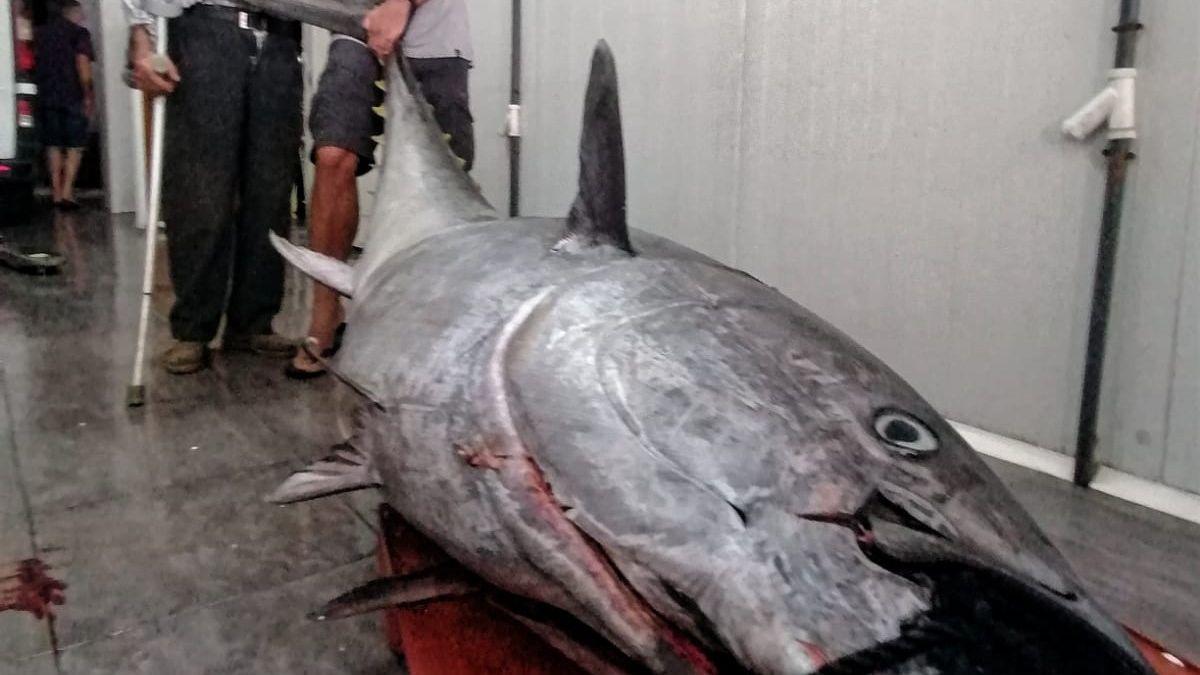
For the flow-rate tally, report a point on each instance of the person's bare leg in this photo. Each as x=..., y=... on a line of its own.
x=54, y=162
x=333, y=224
x=70, y=171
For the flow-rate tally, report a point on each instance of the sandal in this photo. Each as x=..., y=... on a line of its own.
x=301, y=375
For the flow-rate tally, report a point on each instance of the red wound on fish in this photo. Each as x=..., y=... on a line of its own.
x=815, y=653
x=26, y=587
x=480, y=455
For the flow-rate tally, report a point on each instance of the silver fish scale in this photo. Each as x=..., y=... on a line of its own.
x=658, y=411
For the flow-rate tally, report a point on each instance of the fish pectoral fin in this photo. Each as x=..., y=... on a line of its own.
x=598, y=215
x=400, y=591
x=347, y=469
x=329, y=271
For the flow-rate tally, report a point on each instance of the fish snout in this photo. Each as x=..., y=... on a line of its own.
x=1001, y=598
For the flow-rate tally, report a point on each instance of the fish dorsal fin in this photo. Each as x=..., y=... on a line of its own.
x=329, y=271
x=598, y=214
x=422, y=188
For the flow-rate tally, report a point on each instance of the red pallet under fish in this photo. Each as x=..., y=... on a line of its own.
x=466, y=636
x=1164, y=662
x=459, y=636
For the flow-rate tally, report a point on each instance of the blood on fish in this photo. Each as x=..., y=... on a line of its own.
x=480, y=456
x=815, y=653
x=25, y=586
x=552, y=510
x=521, y=474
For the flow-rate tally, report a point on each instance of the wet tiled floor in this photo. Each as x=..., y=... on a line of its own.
x=154, y=518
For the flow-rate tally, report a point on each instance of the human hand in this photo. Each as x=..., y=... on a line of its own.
x=385, y=25
x=156, y=75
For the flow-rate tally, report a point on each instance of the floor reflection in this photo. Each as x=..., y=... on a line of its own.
x=154, y=518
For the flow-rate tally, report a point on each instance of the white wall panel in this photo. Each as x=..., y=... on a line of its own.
x=903, y=176
x=115, y=102
x=1159, y=212
x=8, y=86
x=895, y=166
x=1181, y=467
x=491, y=29
x=680, y=68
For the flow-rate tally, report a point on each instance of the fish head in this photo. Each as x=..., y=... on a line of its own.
x=926, y=507
x=777, y=491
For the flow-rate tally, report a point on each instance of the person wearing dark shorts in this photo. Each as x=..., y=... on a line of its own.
x=344, y=124
x=65, y=99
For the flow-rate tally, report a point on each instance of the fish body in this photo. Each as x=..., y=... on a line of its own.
x=670, y=451
x=660, y=463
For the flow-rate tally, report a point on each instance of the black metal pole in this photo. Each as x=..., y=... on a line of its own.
x=301, y=197
x=1119, y=153
x=514, y=138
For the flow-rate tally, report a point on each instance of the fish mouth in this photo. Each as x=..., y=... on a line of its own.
x=987, y=611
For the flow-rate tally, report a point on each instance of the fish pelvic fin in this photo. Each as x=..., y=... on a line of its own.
x=400, y=591
x=322, y=268
x=346, y=470
x=598, y=215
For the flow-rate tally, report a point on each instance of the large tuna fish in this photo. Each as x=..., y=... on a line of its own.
x=658, y=462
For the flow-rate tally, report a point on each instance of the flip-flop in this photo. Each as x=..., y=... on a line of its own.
x=301, y=375
x=291, y=372
x=29, y=262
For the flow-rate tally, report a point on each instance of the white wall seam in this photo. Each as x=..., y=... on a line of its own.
x=739, y=108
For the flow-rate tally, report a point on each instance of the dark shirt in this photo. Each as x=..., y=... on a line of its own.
x=57, y=44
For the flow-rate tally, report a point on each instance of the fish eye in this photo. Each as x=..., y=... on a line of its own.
x=905, y=433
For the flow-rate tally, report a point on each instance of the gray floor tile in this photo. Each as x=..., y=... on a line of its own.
x=13, y=511
x=15, y=542
x=36, y=665
x=21, y=634
x=1142, y=565
x=260, y=633
x=113, y=459
x=22, y=638
x=139, y=558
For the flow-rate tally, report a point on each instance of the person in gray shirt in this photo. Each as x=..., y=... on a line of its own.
x=435, y=37
x=234, y=87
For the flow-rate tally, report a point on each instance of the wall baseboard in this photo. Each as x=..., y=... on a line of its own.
x=1147, y=493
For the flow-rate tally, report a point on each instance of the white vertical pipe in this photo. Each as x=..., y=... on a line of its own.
x=1123, y=122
